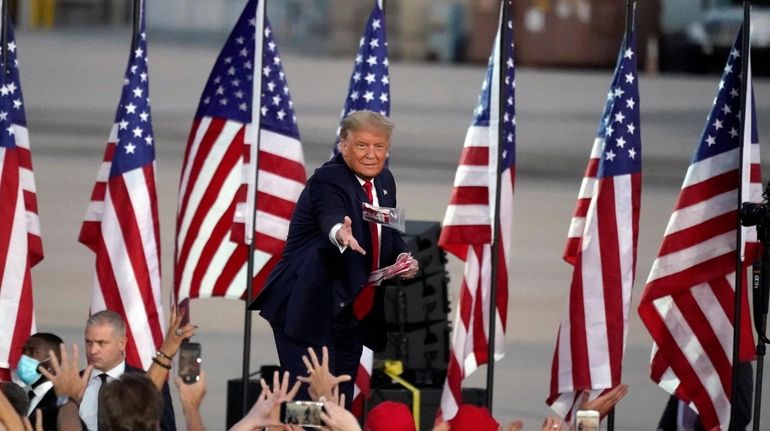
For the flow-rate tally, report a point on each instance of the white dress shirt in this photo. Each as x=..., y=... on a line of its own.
x=89, y=406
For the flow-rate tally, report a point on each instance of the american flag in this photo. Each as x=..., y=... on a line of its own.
x=601, y=245
x=369, y=89
x=20, y=245
x=687, y=305
x=246, y=96
x=469, y=223
x=370, y=81
x=121, y=223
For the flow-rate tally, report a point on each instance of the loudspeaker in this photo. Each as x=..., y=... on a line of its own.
x=422, y=348
x=421, y=238
x=430, y=400
x=235, y=394
x=474, y=396
x=235, y=398
x=417, y=301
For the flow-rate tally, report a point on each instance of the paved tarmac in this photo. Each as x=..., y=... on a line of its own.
x=71, y=84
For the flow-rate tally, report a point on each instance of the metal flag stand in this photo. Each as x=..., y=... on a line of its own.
x=249, y=233
x=495, y=249
x=739, y=270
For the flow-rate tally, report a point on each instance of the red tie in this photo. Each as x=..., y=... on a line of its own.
x=364, y=301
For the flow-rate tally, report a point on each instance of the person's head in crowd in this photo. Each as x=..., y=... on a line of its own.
x=473, y=418
x=389, y=415
x=105, y=340
x=16, y=396
x=130, y=403
x=35, y=353
x=365, y=142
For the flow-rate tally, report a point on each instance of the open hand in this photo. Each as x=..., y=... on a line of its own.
x=605, y=402
x=345, y=238
x=66, y=376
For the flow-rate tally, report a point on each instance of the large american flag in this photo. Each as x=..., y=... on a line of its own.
x=369, y=89
x=20, y=244
x=469, y=223
x=246, y=96
x=601, y=245
x=688, y=301
x=121, y=223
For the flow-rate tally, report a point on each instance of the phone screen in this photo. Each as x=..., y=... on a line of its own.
x=190, y=362
x=303, y=413
x=587, y=420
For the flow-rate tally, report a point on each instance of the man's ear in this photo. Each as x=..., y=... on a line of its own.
x=122, y=343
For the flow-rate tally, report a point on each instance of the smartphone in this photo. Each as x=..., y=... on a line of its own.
x=190, y=362
x=587, y=420
x=302, y=413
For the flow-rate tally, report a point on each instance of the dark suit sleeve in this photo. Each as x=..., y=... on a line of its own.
x=327, y=204
x=167, y=419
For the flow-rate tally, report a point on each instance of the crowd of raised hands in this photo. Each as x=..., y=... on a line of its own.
x=70, y=381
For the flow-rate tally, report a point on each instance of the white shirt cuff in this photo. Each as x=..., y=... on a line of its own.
x=333, y=237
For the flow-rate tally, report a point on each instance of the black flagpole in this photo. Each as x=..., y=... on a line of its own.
x=4, y=35
x=250, y=264
x=739, y=271
x=136, y=22
x=502, y=49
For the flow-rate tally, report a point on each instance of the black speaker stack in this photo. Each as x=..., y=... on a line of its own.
x=416, y=311
x=416, y=317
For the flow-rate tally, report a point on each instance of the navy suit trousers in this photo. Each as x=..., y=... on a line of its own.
x=344, y=353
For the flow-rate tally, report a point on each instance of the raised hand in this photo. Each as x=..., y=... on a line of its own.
x=66, y=377
x=321, y=381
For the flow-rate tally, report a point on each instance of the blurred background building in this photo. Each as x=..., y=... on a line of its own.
x=673, y=34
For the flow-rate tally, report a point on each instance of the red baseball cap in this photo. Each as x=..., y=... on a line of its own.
x=389, y=416
x=473, y=418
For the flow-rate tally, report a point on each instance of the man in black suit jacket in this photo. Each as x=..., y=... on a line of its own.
x=105, y=340
x=318, y=294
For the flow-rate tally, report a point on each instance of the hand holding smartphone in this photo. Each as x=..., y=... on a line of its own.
x=190, y=362
x=302, y=413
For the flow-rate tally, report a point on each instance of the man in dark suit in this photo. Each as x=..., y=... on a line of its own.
x=41, y=395
x=318, y=294
x=106, y=339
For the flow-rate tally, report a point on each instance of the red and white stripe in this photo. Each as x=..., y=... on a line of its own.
x=688, y=301
x=585, y=196
x=363, y=381
x=466, y=233
x=121, y=228
x=601, y=245
x=211, y=249
x=20, y=248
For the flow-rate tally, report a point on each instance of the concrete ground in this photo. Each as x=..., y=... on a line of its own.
x=71, y=84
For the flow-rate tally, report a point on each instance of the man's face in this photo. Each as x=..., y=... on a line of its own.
x=365, y=152
x=35, y=348
x=104, y=348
